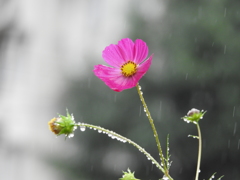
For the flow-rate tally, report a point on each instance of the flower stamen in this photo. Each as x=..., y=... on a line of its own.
x=129, y=69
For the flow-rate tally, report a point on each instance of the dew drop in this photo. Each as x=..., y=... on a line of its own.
x=120, y=139
x=100, y=131
x=124, y=141
x=165, y=178
x=70, y=135
x=82, y=128
x=212, y=177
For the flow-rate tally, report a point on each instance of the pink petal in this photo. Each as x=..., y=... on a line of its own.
x=113, y=78
x=126, y=46
x=143, y=68
x=102, y=72
x=123, y=83
x=140, y=51
x=117, y=55
x=127, y=83
x=113, y=55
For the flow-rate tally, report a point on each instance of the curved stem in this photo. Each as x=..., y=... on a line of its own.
x=123, y=139
x=199, y=151
x=154, y=132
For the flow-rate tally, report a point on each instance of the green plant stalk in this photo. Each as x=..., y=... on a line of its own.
x=154, y=132
x=199, y=151
x=123, y=139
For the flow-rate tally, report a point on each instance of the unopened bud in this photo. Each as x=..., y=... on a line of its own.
x=63, y=125
x=193, y=111
x=128, y=176
x=194, y=115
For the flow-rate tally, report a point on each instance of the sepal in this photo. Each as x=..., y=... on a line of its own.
x=128, y=175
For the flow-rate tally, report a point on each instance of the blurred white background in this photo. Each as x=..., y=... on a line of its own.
x=42, y=44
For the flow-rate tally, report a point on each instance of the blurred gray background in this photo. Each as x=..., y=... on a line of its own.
x=47, y=52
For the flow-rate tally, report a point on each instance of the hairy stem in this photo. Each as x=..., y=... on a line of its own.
x=154, y=132
x=199, y=151
x=121, y=138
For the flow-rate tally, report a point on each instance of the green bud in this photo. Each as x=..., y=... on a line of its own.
x=128, y=176
x=194, y=115
x=63, y=125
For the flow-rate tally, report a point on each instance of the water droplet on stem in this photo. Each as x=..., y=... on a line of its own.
x=82, y=128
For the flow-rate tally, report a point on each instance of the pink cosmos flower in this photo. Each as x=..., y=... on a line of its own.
x=127, y=61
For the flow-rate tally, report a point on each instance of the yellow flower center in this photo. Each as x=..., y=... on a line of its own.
x=129, y=69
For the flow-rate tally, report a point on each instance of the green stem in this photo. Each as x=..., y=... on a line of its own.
x=123, y=139
x=199, y=151
x=154, y=132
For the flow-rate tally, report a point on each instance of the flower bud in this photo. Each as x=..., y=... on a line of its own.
x=63, y=125
x=194, y=115
x=128, y=176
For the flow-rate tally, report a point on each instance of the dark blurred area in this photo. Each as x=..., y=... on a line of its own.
x=196, y=65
